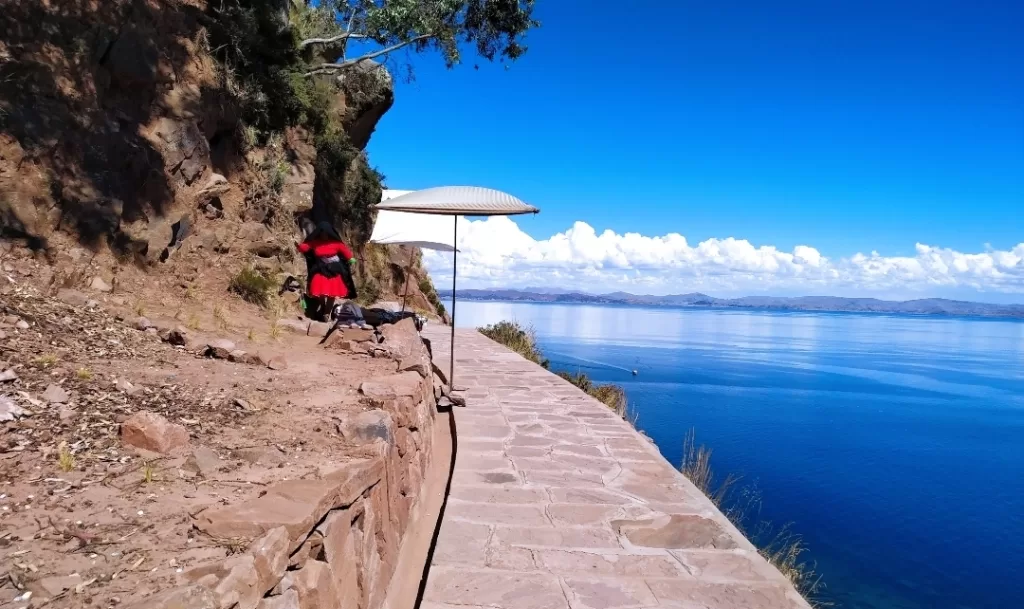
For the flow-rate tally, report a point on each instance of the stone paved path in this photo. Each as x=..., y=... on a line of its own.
x=556, y=503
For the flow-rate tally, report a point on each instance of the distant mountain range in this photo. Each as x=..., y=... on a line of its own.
x=924, y=306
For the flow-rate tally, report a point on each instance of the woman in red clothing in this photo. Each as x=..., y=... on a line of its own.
x=329, y=276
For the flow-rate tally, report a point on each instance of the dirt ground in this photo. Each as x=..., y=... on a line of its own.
x=86, y=521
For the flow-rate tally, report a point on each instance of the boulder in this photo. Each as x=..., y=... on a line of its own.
x=369, y=92
x=150, y=431
x=8, y=375
x=403, y=340
x=142, y=324
x=270, y=554
x=316, y=586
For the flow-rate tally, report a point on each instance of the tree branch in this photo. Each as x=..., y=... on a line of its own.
x=331, y=40
x=341, y=65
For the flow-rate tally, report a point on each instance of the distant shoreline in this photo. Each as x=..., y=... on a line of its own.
x=938, y=307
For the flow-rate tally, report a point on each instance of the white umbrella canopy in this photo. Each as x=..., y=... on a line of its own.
x=459, y=201
x=425, y=231
x=456, y=201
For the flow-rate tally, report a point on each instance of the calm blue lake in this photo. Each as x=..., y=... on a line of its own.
x=894, y=444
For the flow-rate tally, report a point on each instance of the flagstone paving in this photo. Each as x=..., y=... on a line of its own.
x=557, y=503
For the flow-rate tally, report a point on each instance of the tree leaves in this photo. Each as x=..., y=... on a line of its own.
x=494, y=28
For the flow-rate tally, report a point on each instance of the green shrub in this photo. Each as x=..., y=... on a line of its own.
x=253, y=285
x=515, y=337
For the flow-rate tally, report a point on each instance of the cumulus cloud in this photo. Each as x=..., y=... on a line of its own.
x=496, y=253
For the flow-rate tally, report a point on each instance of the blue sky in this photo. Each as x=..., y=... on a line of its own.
x=848, y=127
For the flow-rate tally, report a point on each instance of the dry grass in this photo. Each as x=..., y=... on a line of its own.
x=65, y=459
x=193, y=322
x=275, y=330
x=83, y=374
x=220, y=317
x=517, y=338
x=781, y=547
x=148, y=473
x=46, y=361
x=140, y=308
x=696, y=467
x=251, y=335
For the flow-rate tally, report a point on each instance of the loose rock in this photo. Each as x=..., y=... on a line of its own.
x=99, y=285
x=9, y=410
x=150, y=431
x=55, y=394
x=203, y=461
x=220, y=348
x=142, y=324
x=7, y=376
x=176, y=336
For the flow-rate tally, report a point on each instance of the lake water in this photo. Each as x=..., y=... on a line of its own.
x=894, y=444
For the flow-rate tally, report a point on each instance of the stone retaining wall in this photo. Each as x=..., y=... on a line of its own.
x=334, y=541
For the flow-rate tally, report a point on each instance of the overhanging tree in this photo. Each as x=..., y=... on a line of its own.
x=495, y=28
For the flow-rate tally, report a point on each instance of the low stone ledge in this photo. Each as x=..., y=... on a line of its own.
x=296, y=505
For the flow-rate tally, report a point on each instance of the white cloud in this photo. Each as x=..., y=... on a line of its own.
x=496, y=253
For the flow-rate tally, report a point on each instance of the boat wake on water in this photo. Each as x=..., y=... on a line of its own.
x=588, y=363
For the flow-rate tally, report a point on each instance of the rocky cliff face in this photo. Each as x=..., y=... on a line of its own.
x=155, y=137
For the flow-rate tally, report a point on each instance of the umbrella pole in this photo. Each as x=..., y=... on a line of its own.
x=455, y=268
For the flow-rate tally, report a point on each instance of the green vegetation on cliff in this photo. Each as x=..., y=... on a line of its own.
x=292, y=69
x=517, y=338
